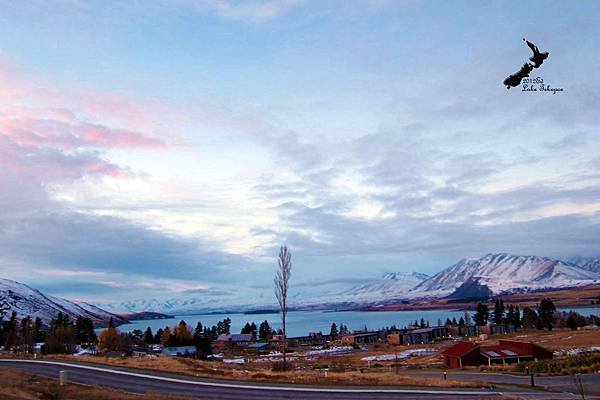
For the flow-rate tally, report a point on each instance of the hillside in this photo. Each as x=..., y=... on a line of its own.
x=26, y=301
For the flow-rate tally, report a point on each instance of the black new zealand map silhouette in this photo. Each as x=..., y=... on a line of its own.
x=537, y=60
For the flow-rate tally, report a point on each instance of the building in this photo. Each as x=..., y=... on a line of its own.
x=424, y=335
x=363, y=338
x=313, y=339
x=505, y=352
x=497, y=329
x=464, y=330
x=233, y=340
x=257, y=347
x=179, y=351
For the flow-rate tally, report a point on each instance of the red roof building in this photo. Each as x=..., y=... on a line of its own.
x=506, y=351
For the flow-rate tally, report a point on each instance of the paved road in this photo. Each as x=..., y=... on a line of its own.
x=143, y=382
x=591, y=382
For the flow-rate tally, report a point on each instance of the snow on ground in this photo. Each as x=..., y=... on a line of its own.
x=234, y=361
x=576, y=351
x=332, y=350
x=402, y=355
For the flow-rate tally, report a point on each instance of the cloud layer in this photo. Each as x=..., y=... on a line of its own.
x=186, y=141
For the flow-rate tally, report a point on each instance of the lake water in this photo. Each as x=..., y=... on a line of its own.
x=300, y=323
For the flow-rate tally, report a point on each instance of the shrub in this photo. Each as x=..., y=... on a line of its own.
x=337, y=368
x=278, y=366
x=569, y=365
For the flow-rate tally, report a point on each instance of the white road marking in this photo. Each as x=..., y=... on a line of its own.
x=243, y=386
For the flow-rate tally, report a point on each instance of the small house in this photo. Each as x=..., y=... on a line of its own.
x=313, y=339
x=362, y=338
x=179, y=351
x=424, y=335
x=233, y=340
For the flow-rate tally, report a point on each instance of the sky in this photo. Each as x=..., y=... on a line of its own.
x=168, y=148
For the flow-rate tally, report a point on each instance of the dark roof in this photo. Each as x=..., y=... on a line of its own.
x=259, y=345
x=425, y=330
x=236, y=337
x=460, y=349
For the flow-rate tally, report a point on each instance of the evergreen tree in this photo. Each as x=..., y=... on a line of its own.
x=84, y=331
x=343, y=330
x=224, y=327
x=61, y=337
x=253, y=330
x=461, y=321
x=546, y=311
x=467, y=318
x=422, y=325
x=38, y=331
x=198, y=332
x=454, y=321
x=530, y=318
x=246, y=329
x=148, y=336
x=158, y=336
x=264, y=330
x=571, y=321
x=510, y=315
x=137, y=335
x=448, y=322
x=333, y=332
x=499, y=312
x=482, y=314
x=26, y=335
x=10, y=331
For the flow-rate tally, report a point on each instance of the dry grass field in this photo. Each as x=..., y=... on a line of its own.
x=347, y=368
x=341, y=371
x=17, y=385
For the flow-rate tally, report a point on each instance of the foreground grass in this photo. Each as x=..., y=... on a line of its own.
x=16, y=385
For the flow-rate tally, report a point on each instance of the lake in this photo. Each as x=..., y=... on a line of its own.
x=300, y=323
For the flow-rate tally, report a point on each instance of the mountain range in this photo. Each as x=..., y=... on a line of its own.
x=506, y=273
x=492, y=274
x=26, y=301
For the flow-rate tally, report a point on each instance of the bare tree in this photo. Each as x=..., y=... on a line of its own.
x=282, y=277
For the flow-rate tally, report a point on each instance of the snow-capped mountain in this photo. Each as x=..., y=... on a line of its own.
x=194, y=303
x=506, y=273
x=392, y=285
x=493, y=273
x=588, y=263
x=26, y=301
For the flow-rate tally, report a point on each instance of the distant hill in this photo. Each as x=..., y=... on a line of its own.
x=26, y=301
x=145, y=315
